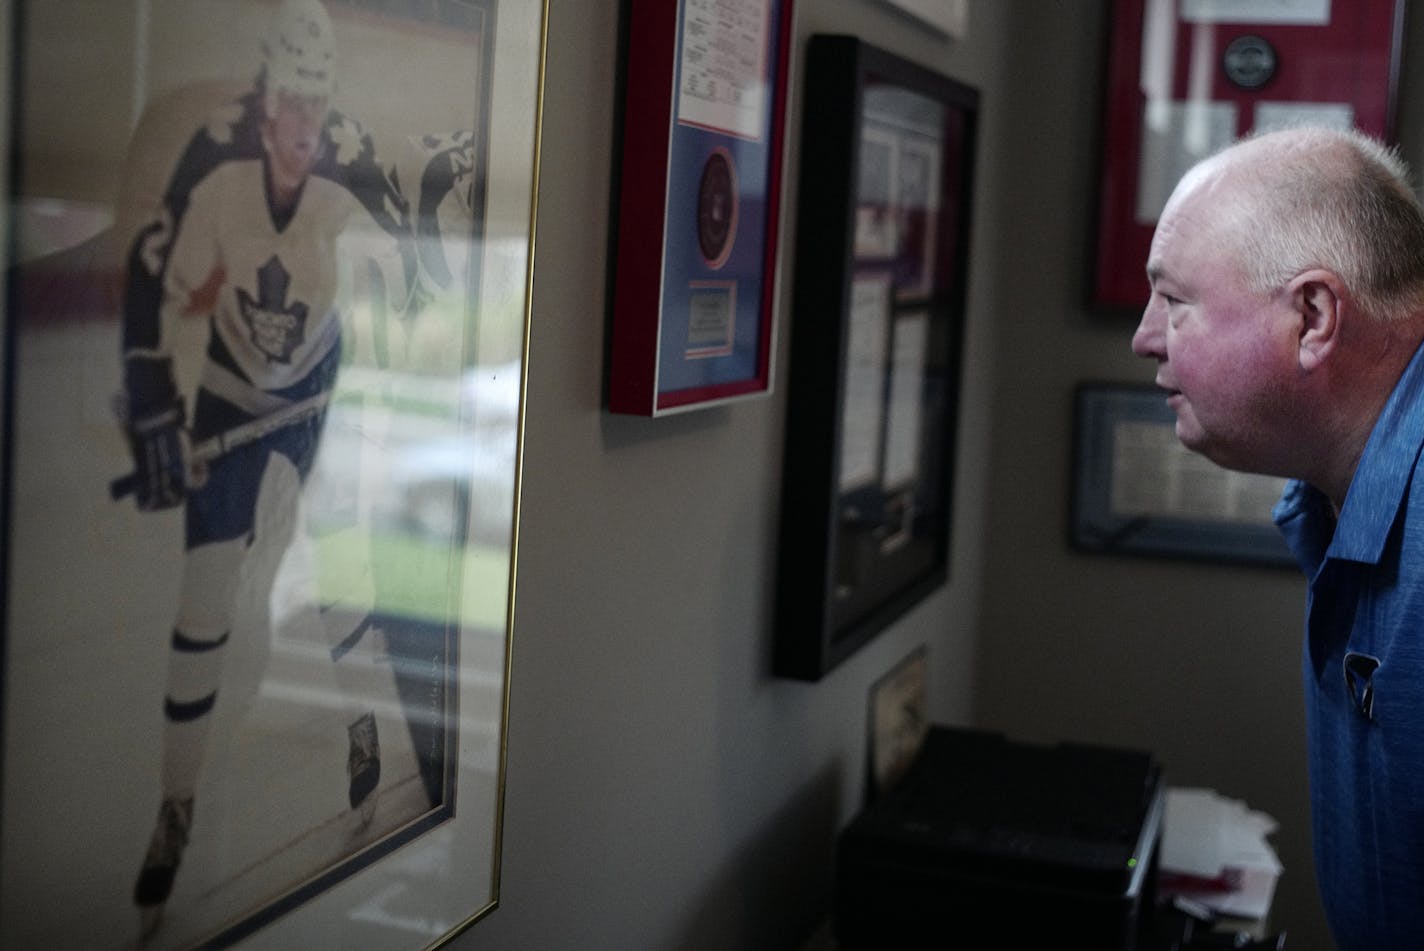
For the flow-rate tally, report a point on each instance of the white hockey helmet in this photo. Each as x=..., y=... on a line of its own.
x=299, y=50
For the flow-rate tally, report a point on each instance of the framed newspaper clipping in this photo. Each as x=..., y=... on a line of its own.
x=699, y=198
x=887, y=160
x=267, y=307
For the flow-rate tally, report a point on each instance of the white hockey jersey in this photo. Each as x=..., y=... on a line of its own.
x=269, y=284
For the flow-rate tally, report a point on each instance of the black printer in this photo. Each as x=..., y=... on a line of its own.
x=986, y=844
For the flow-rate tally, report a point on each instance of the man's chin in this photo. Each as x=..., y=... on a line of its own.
x=1190, y=435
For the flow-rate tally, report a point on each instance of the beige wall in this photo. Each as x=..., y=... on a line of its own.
x=664, y=790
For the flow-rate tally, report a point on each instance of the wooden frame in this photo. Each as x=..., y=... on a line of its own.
x=1185, y=78
x=1138, y=491
x=887, y=155
x=377, y=574
x=699, y=198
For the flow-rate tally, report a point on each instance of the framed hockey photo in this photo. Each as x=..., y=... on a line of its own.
x=267, y=298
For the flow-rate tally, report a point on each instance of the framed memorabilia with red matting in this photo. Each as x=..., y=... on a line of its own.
x=694, y=296
x=1187, y=77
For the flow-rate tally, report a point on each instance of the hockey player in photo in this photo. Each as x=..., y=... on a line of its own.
x=246, y=238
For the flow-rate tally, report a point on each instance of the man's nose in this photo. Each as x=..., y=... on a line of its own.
x=1149, y=339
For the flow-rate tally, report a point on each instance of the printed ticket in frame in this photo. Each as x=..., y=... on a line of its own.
x=694, y=296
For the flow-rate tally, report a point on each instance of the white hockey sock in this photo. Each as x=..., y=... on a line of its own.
x=194, y=673
x=195, y=659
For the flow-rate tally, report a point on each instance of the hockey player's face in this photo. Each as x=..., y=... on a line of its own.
x=294, y=136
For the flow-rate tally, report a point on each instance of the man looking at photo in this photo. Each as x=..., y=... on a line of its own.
x=1285, y=319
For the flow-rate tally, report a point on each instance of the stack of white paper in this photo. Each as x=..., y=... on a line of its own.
x=1214, y=851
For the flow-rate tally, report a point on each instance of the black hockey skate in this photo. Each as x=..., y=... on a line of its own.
x=160, y=865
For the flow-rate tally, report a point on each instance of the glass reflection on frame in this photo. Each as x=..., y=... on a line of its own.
x=302, y=661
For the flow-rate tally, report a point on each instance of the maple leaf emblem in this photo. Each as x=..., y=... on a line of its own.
x=346, y=136
x=221, y=122
x=276, y=327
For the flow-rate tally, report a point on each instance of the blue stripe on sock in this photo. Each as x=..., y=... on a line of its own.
x=187, y=645
x=192, y=710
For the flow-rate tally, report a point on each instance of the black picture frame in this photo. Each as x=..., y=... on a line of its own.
x=887, y=156
x=1136, y=490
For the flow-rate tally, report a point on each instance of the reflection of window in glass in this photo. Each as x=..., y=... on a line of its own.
x=902, y=440
x=1287, y=115
x=1181, y=127
x=917, y=216
x=1175, y=136
x=864, y=410
x=914, y=180
x=1177, y=131
x=1298, y=12
x=904, y=110
x=874, y=221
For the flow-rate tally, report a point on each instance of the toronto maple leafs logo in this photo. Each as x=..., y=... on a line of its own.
x=277, y=328
x=449, y=169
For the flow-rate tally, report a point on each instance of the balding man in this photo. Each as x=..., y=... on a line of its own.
x=1286, y=315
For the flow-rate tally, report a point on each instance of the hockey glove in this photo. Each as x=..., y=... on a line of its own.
x=160, y=454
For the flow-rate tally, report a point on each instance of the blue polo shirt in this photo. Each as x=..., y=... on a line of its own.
x=1364, y=680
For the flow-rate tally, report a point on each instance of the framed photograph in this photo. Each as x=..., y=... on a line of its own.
x=886, y=180
x=899, y=720
x=1138, y=491
x=699, y=199
x=267, y=303
x=1187, y=78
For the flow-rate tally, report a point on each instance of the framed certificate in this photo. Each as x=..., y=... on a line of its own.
x=1185, y=78
x=886, y=180
x=265, y=339
x=694, y=296
x=1138, y=491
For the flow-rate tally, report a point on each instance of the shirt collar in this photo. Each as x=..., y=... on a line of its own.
x=1384, y=470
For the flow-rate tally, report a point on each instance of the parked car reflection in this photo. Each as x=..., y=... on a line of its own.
x=428, y=457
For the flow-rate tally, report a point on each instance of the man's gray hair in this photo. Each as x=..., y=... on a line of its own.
x=1338, y=200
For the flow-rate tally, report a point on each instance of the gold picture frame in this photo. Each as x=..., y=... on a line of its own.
x=346, y=423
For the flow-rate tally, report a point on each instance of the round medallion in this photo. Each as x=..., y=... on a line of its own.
x=717, y=208
x=1249, y=61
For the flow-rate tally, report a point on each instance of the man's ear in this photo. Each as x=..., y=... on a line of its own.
x=1320, y=302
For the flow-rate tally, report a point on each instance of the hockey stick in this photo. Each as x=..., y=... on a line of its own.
x=209, y=449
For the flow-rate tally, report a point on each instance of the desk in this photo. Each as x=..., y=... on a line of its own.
x=1165, y=932
x=988, y=843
